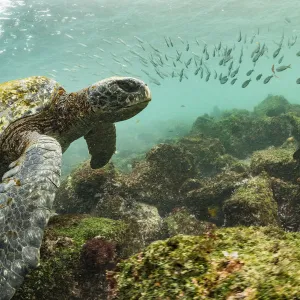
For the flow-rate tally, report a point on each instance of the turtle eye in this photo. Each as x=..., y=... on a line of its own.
x=128, y=86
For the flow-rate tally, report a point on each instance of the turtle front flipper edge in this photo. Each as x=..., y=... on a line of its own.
x=26, y=196
x=101, y=141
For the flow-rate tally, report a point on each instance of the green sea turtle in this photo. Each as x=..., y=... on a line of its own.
x=38, y=121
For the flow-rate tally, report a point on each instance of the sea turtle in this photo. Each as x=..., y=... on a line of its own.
x=38, y=121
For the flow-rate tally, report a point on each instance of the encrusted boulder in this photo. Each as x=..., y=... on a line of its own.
x=252, y=204
x=80, y=191
x=272, y=106
x=277, y=162
x=182, y=221
x=287, y=196
x=242, y=132
x=157, y=180
x=206, y=201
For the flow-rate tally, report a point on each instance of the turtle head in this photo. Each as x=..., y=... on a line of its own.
x=118, y=98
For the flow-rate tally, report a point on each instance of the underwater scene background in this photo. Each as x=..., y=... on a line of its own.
x=80, y=42
x=201, y=200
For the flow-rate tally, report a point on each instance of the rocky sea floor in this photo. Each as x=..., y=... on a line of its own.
x=211, y=215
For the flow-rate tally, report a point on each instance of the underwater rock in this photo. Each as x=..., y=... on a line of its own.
x=108, y=193
x=78, y=192
x=277, y=162
x=227, y=263
x=272, y=106
x=182, y=221
x=157, y=180
x=287, y=196
x=252, y=204
x=63, y=273
x=206, y=151
x=241, y=132
x=102, y=193
x=206, y=202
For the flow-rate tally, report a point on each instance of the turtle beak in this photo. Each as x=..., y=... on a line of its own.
x=147, y=93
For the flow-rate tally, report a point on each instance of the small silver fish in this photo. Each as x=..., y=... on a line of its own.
x=207, y=77
x=206, y=56
x=224, y=80
x=258, y=76
x=197, y=70
x=298, y=81
x=256, y=57
x=188, y=62
x=235, y=72
x=240, y=37
x=249, y=72
x=280, y=59
x=233, y=81
x=219, y=47
x=140, y=40
x=245, y=84
x=288, y=20
x=276, y=52
x=282, y=68
x=267, y=79
x=166, y=41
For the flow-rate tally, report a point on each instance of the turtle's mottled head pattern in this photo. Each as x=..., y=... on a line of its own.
x=118, y=98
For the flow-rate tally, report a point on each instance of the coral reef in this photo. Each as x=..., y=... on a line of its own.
x=230, y=263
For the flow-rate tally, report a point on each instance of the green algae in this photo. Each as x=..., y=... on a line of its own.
x=232, y=263
x=91, y=227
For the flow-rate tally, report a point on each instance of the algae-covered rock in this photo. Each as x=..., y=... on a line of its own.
x=241, y=132
x=277, y=162
x=229, y=263
x=62, y=274
x=272, y=106
x=80, y=191
x=287, y=196
x=206, y=201
x=252, y=203
x=157, y=180
x=206, y=151
x=181, y=221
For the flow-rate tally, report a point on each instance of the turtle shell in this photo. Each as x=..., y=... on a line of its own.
x=25, y=97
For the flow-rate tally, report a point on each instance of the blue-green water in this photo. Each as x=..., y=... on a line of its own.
x=81, y=42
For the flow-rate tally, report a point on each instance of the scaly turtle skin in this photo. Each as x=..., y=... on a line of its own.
x=38, y=121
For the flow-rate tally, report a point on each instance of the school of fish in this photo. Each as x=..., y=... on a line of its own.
x=179, y=59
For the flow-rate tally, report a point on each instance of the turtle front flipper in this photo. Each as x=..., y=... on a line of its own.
x=101, y=141
x=27, y=192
